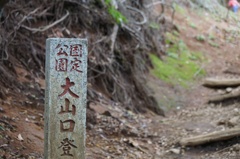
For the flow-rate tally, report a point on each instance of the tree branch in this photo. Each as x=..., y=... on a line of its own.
x=42, y=29
x=142, y=14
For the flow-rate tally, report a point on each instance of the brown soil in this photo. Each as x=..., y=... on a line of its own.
x=124, y=134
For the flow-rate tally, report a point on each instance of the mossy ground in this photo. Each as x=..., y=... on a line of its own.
x=180, y=66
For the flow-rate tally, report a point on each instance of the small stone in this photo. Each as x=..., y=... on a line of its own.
x=236, y=110
x=234, y=121
x=175, y=151
x=149, y=142
x=228, y=90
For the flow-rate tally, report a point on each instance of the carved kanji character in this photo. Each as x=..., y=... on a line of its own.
x=75, y=65
x=62, y=50
x=67, y=125
x=66, y=146
x=67, y=110
x=61, y=64
x=76, y=50
x=67, y=88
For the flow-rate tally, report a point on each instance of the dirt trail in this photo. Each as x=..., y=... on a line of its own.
x=196, y=116
x=124, y=134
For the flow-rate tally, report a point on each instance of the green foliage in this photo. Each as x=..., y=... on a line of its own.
x=179, y=66
x=179, y=9
x=200, y=12
x=213, y=44
x=232, y=35
x=116, y=15
x=211, y=40
x=175, y=33
x=211, y=37
x=154, y=25
x=170, y=38
x=193, y=25
x=108, y=2
x=200, y=37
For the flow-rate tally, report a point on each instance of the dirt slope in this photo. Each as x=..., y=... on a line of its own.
x=123, y=134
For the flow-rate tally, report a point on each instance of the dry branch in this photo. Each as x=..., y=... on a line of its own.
x=144, y=21
x=42, y=29
x=34, y=54
x=223, y=97
x=113, y=37
x=4, y=55
x=154, y=3
x=27, y=16
x=133, y=32
x=212, y=82
x=211, y=137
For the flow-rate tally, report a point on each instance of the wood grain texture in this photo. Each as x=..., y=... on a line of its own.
x=211, y=137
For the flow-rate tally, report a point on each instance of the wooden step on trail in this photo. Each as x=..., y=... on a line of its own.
x=211, y=137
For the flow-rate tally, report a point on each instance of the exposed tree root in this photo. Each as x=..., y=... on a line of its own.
x=118, y=53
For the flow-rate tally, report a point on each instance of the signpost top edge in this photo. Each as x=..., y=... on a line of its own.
x=70, y=39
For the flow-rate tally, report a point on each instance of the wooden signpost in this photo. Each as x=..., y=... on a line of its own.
x=65, y=98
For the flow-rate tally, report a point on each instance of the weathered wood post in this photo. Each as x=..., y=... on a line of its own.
x=65, y=98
